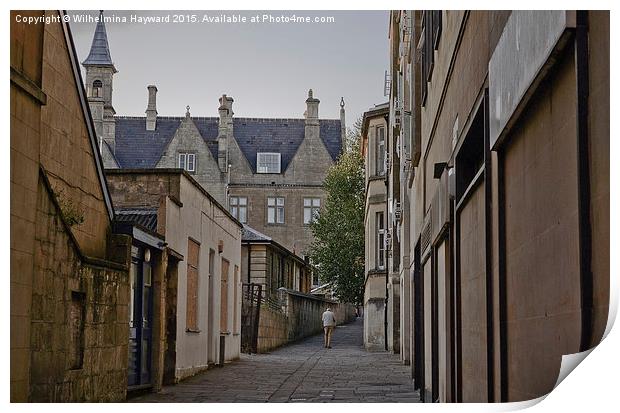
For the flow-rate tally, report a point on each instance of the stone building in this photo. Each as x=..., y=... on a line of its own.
x=499, y=122
x=267, y=263
x=376, y=285
x=269, y=170
x=189, y=297
x=69, y=271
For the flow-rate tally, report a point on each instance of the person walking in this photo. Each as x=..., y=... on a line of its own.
x=329, y=322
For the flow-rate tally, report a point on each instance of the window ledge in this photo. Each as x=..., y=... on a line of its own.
x=191, y=330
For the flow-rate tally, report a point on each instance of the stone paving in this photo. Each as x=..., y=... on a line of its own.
x=301, y=372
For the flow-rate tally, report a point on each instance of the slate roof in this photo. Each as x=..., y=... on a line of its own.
x=250, y=234
x=99, y=50
x=138, y=148
x=144, y=217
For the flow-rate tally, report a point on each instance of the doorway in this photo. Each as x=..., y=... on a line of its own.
x=140, y=319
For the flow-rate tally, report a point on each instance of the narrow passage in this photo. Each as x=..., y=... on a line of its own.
x=301, y=372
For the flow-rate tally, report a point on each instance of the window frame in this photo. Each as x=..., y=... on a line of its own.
x=97, y=89
x=278, y=210
x=236, y=204
x=185, y=164
x=380, y=241
x=260, y=157
x=380, y=167
x=314, y=209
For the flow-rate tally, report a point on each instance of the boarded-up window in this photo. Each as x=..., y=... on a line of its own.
x=224, y=297
x=236, y=287
x=193, y=251
x=76, y=330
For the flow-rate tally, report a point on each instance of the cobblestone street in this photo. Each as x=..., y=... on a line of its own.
x=302, y=372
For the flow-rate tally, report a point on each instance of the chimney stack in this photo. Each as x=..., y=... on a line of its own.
x=225, y=131
x=151, y=108
x=312, y=109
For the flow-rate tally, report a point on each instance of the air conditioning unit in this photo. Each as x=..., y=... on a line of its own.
x=398, y=213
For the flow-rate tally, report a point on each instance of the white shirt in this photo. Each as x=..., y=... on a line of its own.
x=328, y=319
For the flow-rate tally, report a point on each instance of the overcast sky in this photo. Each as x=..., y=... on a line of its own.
x=266, y=68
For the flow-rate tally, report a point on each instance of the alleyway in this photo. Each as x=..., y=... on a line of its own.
x=302, y=372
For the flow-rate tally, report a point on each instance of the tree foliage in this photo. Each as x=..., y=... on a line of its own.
x=338, y=247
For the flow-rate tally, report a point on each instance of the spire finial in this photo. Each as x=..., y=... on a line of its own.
x=187, y=111
x=310, y=93
x=99, y=54
x=342, y=102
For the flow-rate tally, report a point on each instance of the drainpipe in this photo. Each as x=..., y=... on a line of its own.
x=249, y=263
x=585, y=229
x=385, y=313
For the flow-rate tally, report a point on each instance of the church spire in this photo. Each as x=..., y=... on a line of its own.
x=99, y=50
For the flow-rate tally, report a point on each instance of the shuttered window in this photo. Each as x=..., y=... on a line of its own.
x=193, y=252
x=224, y=297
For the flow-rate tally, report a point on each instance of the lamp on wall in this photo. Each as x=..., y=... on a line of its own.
x=220, y=246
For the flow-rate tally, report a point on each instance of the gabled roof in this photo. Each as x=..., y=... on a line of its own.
x=138, y=148
x=99, y=50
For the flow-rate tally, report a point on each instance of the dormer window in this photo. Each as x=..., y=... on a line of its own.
x=97, y=87
x=268, y=163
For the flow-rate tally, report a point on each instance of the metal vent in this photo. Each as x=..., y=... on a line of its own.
x=425, y=239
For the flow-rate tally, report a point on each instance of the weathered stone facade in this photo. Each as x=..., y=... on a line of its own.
x=187, y=214
x=79, y=316
x=223, y=150
x=499, y=127
x=374, y=140
x=270, y=265
x=69, y=280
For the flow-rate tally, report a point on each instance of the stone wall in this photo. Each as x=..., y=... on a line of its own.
x=68, y=299
x=300, y=317
x=79, y=316
x=305, y=310
x=272, y=329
